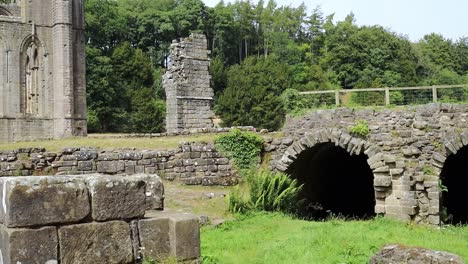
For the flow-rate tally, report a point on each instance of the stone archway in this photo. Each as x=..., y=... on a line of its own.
x=376, y=169
x=453, y=179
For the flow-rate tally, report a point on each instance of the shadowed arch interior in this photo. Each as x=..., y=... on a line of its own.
x=334, y=182
x=454, y=177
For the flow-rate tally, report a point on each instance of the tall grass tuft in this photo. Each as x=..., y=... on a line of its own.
x=265, y=191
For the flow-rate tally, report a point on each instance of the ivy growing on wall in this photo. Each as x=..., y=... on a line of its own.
x=243, y=147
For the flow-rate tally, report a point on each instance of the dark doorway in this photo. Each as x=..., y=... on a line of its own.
x=454, y=176
x=335, y=183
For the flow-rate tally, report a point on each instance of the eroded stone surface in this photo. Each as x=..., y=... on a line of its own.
x=42, y=200
x=184, y=233
x=32, y=246
x=91, y=243
x=117, y=197
x=44, y=95
x=154, y=238
x=412, y=255
x=154, y=191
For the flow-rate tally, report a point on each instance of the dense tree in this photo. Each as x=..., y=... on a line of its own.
x=252, y=93
x=258, y=50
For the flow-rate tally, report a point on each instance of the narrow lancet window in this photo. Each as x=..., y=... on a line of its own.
x=32, y=80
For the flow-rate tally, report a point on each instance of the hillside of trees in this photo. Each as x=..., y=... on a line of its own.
x=259, y=53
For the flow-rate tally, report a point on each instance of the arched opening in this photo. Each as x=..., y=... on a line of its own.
x=454, y=182
x=335, y=182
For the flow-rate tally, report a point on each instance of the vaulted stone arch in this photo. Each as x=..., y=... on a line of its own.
x=453, y=178
x=382, y=167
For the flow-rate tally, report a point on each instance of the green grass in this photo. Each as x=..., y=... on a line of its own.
x=112, y=142
x=119, y=141
x=276, y=238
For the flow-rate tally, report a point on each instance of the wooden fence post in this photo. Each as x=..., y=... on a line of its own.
x=337, y=98
x=387, y=96
x=434, y=94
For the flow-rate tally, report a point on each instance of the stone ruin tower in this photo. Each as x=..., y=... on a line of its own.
x=187, y=85
x=42, y=70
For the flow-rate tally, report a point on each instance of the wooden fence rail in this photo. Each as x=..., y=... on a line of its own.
x=387, y=91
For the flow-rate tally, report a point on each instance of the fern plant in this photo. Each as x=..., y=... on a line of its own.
x=267, y=191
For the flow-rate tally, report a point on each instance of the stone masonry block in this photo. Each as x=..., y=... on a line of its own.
x=154, y=191
x=91, y=243
x=111, y=167
x=43, y=200
x=117, y=197
x=31, y=246
x=184, y=234
x=154, y=238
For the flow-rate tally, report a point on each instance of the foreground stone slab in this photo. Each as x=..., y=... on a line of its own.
x=413, y=255
x=43, y=200
x=117, y=197
x=183, y=230
x=31, y=246
x=93, y=243
x=155, y=241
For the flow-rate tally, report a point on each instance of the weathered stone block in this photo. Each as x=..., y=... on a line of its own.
x=21, y=245
x=111, y=167
x=154, y=191
x=184, y=234
x=108, y=242
x=43, y=200
x=117, y=197
x=154, y=238
x=382, y=181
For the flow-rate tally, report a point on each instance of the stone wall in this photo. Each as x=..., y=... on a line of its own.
x=42, y=70
x=187, y=85
x=91, y=219
x=406, y=150
x=190, y=163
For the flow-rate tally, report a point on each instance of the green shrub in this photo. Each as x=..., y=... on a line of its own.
x=266, y=191
x=252, y=94
x=243, y=147
x=360, y=128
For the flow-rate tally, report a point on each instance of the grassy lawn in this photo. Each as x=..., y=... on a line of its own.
x=119, y=141
x=276, y=238
x=112, y=142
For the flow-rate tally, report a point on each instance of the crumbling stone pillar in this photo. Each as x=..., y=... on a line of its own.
x=187, y=85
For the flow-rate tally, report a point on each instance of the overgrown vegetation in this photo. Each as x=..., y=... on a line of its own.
x=360, y=128
x=258, y=51
x=280, y=239
x=243, y=147
x=265, y=191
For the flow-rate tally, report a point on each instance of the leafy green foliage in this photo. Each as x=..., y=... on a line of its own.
x=267, y=191
x=258, y=51
x=360, y=128
x=252, y=94
x=243, y=147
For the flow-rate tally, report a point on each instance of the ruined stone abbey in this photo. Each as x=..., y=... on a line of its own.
x=42, y=70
